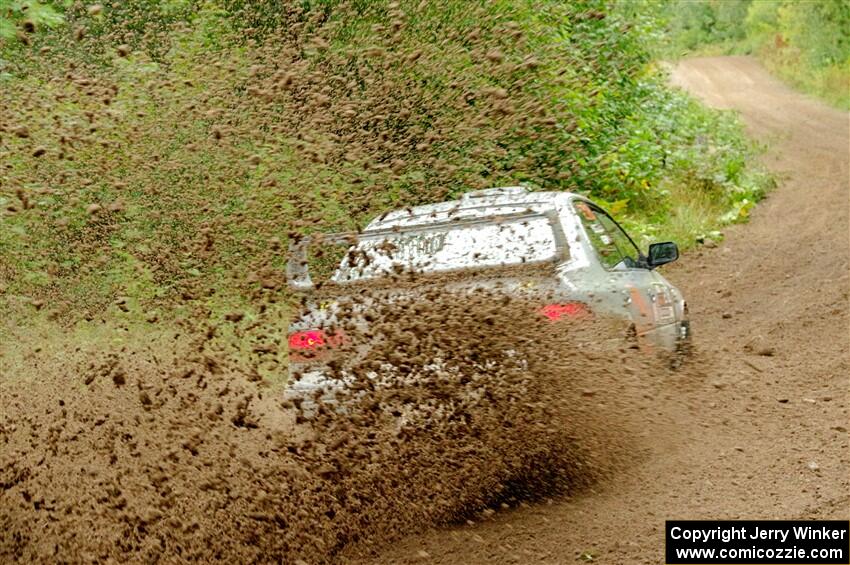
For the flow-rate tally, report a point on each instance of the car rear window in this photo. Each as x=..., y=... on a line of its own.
x=493, y=242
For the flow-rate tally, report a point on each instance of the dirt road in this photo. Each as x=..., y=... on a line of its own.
x=763, y=432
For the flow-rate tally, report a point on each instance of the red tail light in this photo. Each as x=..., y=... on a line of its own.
x=312, y=340
x=566, y=310
x=313, y=345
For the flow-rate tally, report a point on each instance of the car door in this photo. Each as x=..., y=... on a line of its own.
x=648, y=295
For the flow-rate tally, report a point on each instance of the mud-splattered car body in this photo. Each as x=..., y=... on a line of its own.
x=597, y=267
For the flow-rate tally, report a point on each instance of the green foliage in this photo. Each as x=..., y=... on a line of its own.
x=20, y=22
x=18, y=18
x=708, y=21
x=762, y=21
x=820, y=30
x=705, y=179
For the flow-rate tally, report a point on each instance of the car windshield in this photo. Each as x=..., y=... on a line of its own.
x=490, y=242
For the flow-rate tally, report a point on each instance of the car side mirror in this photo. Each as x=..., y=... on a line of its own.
x=662, y=253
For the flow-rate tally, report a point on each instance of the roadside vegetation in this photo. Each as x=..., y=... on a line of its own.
x=158, y=155
x=806, y=43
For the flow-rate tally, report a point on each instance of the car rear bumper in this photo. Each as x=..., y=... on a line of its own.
x=314, y=383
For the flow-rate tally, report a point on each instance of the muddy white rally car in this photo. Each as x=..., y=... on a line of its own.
x=596, y=268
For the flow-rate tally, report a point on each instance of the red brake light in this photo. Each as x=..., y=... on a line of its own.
x=567, y=309
x=313, y=339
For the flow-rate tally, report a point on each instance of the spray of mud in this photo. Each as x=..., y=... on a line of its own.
x=463, y=402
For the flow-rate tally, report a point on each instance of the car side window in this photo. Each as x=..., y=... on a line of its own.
x=611, y=243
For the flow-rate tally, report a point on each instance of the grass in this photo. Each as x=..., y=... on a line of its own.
x=830, y=83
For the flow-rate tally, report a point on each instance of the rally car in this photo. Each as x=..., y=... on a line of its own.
x=597, y=268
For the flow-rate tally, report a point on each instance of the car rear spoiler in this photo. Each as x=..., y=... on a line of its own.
x=297, y=268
